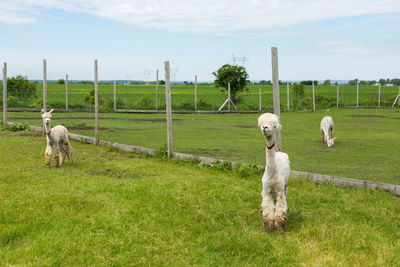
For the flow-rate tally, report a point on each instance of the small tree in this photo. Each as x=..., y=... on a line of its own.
x=327, y=82
x=60, y=81
x=20, y=88
x=236, y=75
x=299, y=101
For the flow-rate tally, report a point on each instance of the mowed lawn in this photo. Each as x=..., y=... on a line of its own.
x=114, y=208
x=367, y=140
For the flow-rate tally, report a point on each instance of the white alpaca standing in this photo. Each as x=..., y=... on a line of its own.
x=57, y=141
x=327, y=131
x=275, y=178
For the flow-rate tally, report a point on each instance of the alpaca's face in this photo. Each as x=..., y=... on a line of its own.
x=330, y=142
x=46, y=116
x=268, y=124
x=269, y=128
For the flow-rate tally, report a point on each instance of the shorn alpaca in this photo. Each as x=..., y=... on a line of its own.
x=57, y=140
x=275, y=178
x=327, y=131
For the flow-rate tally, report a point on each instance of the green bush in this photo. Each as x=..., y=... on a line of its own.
x=162, y=152
x=16, y=127
x=144, y=103
x=89, y=98
x=20, y=88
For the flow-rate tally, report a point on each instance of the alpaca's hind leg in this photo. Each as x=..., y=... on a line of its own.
x=62, y=156
x=69, y=152
x=267, y=210
x=281, y=211
x=56, y=154
x=47, y=156
x=323, y=138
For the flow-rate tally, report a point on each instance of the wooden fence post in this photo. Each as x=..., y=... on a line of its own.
x=276, y=96
x=259, y=99
x=5, y=94
x=66, y=91
x=115, y=95
x=195, y=92
x=157, y=90
x=337, y=95
x=96, y=103
x=168, y=108
x=379, y=95
x=358, y=89
x=313, y=95
x=287, y=96
x=44, y=84
x=229, y=96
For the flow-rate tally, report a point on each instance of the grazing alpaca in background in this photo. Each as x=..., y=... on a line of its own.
x=57, y=141
x=275, y=178
x=327, y=131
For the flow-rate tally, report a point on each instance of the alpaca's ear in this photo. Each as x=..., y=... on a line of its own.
x=42, y=111
x=51, y=110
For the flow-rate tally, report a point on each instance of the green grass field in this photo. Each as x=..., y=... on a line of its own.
x=366, y=146
x=117, y=209
x=143, y=96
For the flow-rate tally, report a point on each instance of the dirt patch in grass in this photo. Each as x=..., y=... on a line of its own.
x=29, y=134
x=120, y=174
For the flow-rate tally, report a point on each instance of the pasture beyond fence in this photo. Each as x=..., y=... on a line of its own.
x=230, y=137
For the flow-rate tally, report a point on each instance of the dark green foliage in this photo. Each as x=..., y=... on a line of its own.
x=203, y=104
x=221, y=166
x=299, y=102
x=324, y=101
x=309, y=82
x=327, y=82
x=61, y=81
x=162, y=152
x=266, y=82
x=246, y=170
x=144, y=102
x=20, y=88
x=89, y=98
x=235, y=75
x=17, y=127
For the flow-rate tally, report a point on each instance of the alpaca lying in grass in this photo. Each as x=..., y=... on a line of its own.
x=57, y=140
x=327, y=131
x=275, y=178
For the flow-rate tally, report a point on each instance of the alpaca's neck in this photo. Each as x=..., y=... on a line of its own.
x=47, y=129
x=270, y=156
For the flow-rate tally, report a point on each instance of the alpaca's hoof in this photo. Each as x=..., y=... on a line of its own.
x=268, y=223
x=280, y=222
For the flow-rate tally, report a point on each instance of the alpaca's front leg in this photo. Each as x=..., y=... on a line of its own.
x=267, y=209
x=281, y=210
x=47, y=156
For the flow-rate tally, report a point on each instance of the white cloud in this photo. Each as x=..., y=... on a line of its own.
x=199, y=16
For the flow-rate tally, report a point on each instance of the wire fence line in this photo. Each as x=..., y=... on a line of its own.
x=194, y=96
x=229, y=137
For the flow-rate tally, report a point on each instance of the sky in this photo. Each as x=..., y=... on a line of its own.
x=131, y=39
